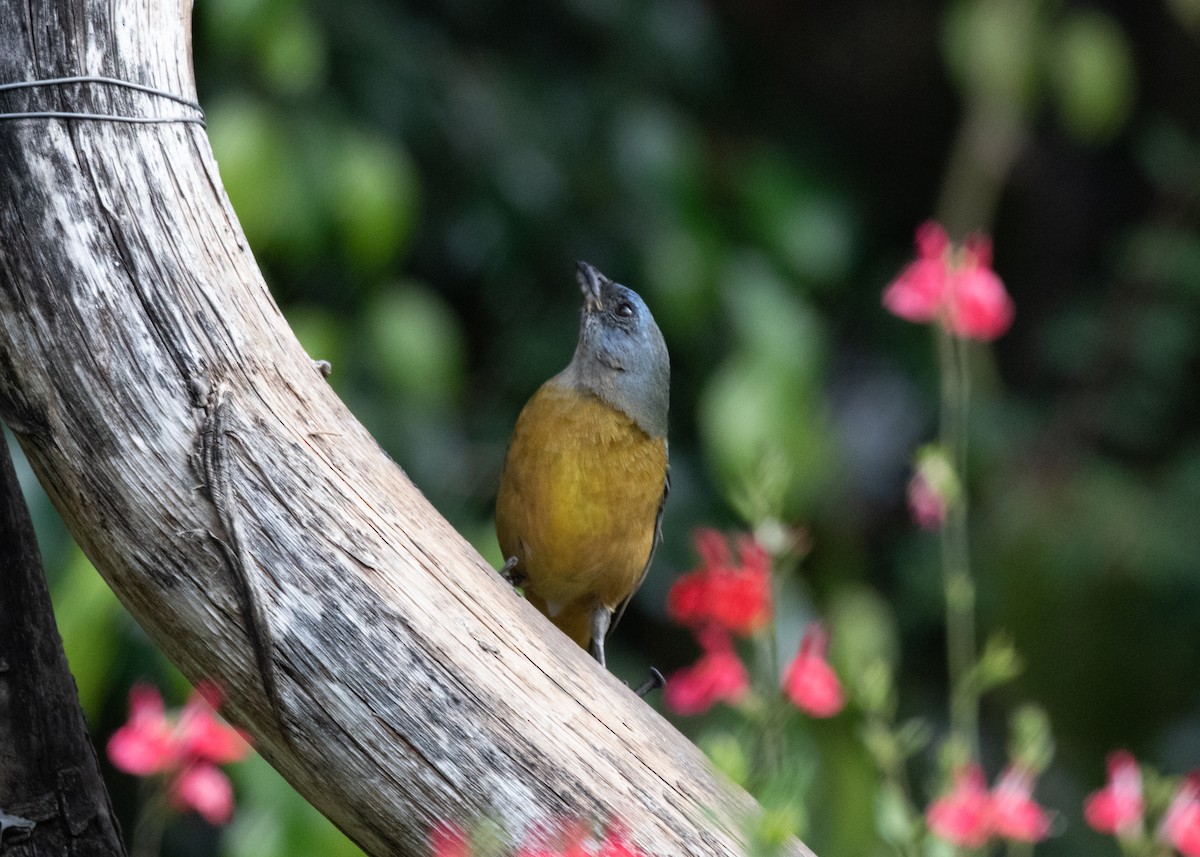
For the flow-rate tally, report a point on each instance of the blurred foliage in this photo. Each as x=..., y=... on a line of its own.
x=417, y=178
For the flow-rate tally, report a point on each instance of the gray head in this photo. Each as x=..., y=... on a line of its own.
x=621, y=356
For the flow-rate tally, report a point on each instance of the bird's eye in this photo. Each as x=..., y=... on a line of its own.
x=625, y=309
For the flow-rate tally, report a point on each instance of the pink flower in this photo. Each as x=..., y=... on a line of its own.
x=203, y=736
x=1181, y=824
x=719, y=676
x=1012, y=812
x=205, y=789
x=810, y=682
x=962, y=816
x=1117, y=808
x=918, y=294
x=934, y=487
x=968, y=816
x=954, y=286
x=564, y=839
x=735, y=596
x=927, y=507
x=146, y=743
x=186, y=749
x=977, y=306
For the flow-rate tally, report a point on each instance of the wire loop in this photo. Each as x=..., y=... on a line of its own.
x=102, y=117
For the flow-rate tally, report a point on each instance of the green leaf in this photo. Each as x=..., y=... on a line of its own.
x=991, y=48
x=87, y=613
x=374, y=199
x=416, y=344
x=866, y=630
x=291, y=51
x=727, y=753
x=773, y=323
x=272, y=820
x=234, y=25
x=750, y=410
x=808, y=229
x=1031, y=741
x=894, y=817
x=1093, y=76
x=263, y=178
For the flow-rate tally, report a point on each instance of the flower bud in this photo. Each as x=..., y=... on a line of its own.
x=933, y=489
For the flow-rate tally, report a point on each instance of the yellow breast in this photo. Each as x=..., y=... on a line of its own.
x=578, y=500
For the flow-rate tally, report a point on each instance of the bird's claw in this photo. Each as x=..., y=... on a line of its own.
x=509, y=572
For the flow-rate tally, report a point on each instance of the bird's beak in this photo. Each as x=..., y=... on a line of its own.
x=590, y=282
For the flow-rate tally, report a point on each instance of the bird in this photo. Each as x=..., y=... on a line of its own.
x=585, y=477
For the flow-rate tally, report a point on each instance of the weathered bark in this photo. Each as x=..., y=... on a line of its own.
x=248, y=521
x=52, y=799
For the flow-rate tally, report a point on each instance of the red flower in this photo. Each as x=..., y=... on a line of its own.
x=568, y=839
x=712, y=547
x=187, y=749
x=556, y=839
x=968, y=816
x=1181, y=824
x=918, y=294
x=977, y=305
x=1117, y=808
x=961, y=817
x=1013, y=814
x=736, y=597
x=953, y=286
x=719, y=676
x=810, y=681
x=203, y=736
x=146, y=743
x=205, y=789
x=688, y=597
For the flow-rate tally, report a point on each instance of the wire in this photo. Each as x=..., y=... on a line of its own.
x=102, y=117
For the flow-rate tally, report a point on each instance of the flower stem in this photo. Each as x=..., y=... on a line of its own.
x=151, y=820
x=981, y=157
x=959, y=587
x=772, y=741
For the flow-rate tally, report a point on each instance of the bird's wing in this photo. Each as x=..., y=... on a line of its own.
x=620, y=610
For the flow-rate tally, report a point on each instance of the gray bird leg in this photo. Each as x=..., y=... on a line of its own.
x=509, y=572
x=601, y=617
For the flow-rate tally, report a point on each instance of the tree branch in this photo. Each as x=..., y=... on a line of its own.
x=52, y=799
x=383, y=668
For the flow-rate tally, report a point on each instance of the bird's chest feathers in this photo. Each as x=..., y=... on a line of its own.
x=585, y=484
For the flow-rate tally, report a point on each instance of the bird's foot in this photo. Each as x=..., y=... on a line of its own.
x=509, y=572
x=601, y=622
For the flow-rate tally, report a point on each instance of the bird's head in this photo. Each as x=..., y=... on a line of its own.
x=621, y=356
